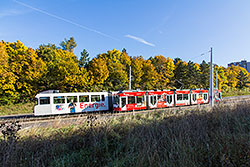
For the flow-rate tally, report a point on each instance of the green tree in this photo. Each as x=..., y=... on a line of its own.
x=193, y=75
x=242, y=77
x=180, y=74
x=84, y=59
x=68, y=45
x=205, y=74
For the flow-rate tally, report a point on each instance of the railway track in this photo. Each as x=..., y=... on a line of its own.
x=28, y=120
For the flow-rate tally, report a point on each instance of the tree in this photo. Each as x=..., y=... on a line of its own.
x=193, y=75
x=242, y=77
x=117, y=64
x=164, y=68
x=180, y=74
x=205, y=74
x=231, y=73
x=84, y=59
x=137, y=72
x=221, y=77
x=68, y=45
x=7, y=78
x=27, y=67
x=99, y=72
x=150, y=76
x=63, y=71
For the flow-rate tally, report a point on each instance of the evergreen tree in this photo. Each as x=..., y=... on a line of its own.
x=68, y=45
x=242, y=79
x=193, y=75
x=84, y=59
x=180, y=74
x=205, y=74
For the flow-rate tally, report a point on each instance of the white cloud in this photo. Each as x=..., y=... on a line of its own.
x=140, y=40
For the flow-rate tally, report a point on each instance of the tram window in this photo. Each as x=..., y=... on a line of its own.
x=59, y=99
x=123, y=100
x=103, y=98
x=95, y=98
x=84, y=98
x=170, y=99
x=185, y=97
x=71, y=97
x=179, y=97
x=194, y=97
x=153, y=100
x=139, y=99
x=131, y=99
x=205, y=96
x=44, y=100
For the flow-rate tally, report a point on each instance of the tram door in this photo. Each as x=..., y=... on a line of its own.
x=194, y=98
x=153, y=101
x=123, y=103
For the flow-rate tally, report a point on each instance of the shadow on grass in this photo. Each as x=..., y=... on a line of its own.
x=203, y=138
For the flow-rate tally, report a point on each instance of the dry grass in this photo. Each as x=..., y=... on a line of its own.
x=191, y=138
x=20, y=108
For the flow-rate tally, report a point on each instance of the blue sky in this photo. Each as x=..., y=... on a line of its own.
x=179, y=28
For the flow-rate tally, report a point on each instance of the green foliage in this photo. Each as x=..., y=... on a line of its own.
x=84, y=59
x=180, y=74
x=205, y=74
x=68, y=45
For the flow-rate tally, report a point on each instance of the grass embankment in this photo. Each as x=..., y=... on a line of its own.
x=238, y=92
x=21, y=108
x=191, y=138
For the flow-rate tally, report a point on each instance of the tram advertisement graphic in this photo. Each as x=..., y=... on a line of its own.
x=59, y=107
x=93, y=105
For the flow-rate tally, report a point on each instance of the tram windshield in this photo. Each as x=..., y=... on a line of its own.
x=44, y=100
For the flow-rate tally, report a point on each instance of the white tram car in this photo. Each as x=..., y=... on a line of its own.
x=52, y=102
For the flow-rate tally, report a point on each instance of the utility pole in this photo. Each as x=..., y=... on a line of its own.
x=129, y=77
x=211, y=97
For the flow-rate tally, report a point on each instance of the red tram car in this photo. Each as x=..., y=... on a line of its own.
x=129, y=100
x=160, y=99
